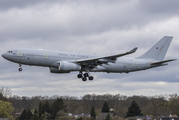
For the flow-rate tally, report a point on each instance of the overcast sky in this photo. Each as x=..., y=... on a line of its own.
x=100, y=27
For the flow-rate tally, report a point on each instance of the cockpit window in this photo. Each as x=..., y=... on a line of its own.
x=9, y=51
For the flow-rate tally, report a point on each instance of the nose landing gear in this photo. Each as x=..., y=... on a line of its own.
x=20, y=69
x=85, y=76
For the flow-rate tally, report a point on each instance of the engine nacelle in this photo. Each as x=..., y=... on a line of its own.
x=55, y=70
x=67, y=66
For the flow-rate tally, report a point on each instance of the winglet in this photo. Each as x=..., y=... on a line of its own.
x=133, y=50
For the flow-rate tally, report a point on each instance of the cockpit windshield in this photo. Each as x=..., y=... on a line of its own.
x=9, y=51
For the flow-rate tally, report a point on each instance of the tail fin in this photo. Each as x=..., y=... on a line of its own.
x=158, y=51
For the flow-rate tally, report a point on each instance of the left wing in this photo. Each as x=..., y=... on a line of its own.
x=93, y=62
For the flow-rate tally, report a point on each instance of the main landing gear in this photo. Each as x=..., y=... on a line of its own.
x=20, y=69
x=85, y=76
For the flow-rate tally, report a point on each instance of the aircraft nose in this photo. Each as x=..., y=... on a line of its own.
x=3, y=55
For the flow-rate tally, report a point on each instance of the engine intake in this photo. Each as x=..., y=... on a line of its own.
x=67, y=66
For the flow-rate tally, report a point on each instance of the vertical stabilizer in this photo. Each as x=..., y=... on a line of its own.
x=158, y=51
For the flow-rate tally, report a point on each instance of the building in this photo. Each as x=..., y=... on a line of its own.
x=79, y=115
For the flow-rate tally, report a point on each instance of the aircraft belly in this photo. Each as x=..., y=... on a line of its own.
x=119, y=68
x=98, y=69
x=114, y=67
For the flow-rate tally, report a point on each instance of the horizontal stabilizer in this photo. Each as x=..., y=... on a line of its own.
x=161, y=62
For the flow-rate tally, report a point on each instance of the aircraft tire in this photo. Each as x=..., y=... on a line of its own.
x=79, y=76
x=20, y=69
x=84, y=79
x=91, y=78
x=86, y=75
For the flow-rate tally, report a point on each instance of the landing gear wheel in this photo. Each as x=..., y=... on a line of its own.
x=79, y=76
x=20, y=69
x=86, y=75
x=91, y=78
x=84, y=78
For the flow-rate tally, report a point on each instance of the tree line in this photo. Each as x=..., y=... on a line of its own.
x=149, y=105
x=46, y=110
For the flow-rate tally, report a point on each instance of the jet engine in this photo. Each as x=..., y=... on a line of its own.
x=68, y=66
x=56, y=70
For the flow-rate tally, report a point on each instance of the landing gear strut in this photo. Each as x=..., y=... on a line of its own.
x=84, y=76
x=20, y=69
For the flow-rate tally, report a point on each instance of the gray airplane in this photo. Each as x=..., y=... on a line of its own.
x=65, y=62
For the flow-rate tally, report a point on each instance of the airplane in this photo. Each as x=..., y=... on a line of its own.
x=66, y=62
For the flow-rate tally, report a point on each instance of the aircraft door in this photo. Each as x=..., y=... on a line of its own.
x=20, y=53
x=135, y=63
x=45, y=59
x=46, y=56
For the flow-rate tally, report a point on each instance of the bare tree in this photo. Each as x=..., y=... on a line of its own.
x=5, y=93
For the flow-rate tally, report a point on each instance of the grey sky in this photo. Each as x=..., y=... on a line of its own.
x=90, y=26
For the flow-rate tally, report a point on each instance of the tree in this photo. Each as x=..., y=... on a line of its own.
x=108, y=117
x=23, y=115
x=105, y=108
x=133, y=110
x=93, y=114
x=6, y=109
x=57, y=106
x=35, y=117
x=46, y=116
x=26, y=115
x=45, y=107
x=174, y=103
x=35, y=111
x=40, y=109
x=4, y=93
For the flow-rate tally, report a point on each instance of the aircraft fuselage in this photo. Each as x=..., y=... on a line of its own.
x=65, y=62
x=47, y=58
